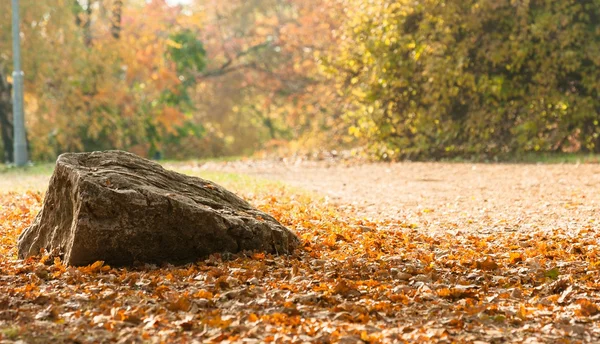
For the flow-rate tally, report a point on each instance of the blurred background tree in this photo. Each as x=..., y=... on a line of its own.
x=405, y=79
x=484, y=78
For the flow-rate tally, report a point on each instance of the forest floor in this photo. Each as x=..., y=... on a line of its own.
x=408, y=252
x=439, y=196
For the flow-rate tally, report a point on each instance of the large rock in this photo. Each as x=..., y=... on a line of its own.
x=117, y=207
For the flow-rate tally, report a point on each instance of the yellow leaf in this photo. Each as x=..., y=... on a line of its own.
x=173, y=44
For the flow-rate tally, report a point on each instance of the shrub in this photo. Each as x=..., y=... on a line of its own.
x=435, y=78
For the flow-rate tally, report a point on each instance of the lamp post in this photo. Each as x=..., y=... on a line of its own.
x=20, y=143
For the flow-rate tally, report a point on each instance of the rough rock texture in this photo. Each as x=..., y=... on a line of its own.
x=117, y=207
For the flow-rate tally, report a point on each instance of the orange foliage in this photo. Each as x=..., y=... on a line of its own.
x=353, y=280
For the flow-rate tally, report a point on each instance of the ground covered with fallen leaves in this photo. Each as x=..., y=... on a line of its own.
x=436, y=274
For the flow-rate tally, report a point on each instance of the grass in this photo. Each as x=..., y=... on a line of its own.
x=532, y=158
x=203, y=160
x=36, y=177
x=47, y=167
x=234, y=181
x=11, y=333
x=557, y=158
x=35, y=169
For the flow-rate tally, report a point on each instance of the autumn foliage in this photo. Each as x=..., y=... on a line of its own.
x=209, y=79
x=422, y=79
x=435, y=79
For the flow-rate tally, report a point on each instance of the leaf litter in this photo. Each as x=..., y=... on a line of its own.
x=354, y=280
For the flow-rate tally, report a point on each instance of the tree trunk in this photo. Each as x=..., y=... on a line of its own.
x=116, y=19
x=6, y=126
x=87, y=25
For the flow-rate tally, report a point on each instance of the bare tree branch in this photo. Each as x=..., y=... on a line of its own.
x=224, y=70
x=229, y=66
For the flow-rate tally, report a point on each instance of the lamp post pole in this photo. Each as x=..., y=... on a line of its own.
x=20, y=142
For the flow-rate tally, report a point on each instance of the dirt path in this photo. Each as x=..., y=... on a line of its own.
x=441, y=196
x=434, y=196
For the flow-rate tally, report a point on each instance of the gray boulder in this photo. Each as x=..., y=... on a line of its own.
x=117, y=207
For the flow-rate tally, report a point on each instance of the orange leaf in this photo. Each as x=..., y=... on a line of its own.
x=587, y=308
x=488, y=265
